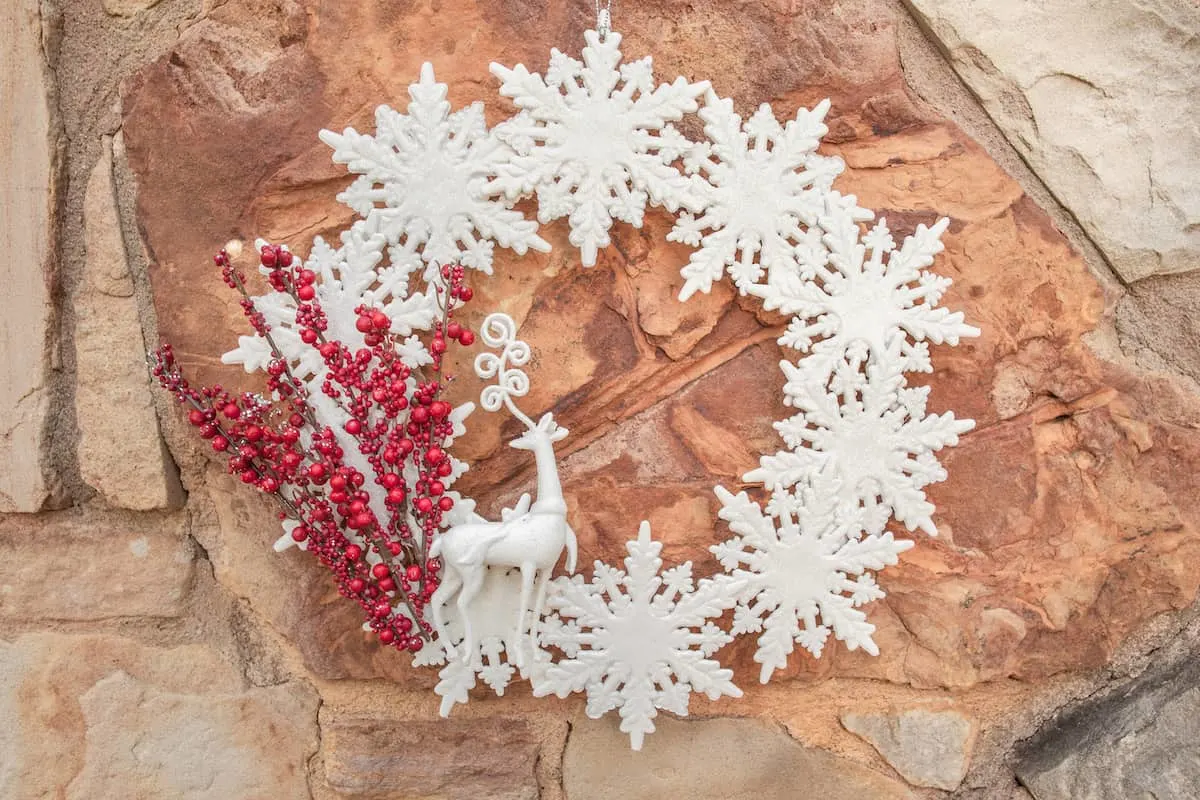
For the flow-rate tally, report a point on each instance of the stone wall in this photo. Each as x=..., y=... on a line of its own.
x=152, y=645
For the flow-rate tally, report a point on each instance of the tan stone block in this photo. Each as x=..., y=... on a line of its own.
x=107, y=716
x=73, y=566
x=28, y=162
x=712, y=759
x=121, y=453
x=450, y=759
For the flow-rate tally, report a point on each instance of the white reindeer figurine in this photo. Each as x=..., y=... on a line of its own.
x=529, y=537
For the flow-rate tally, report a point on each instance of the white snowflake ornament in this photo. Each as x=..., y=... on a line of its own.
x=803, y=576
x=638, y=640
x=853, y=303
x=763, y=186
x=593, y=140
x=872, y=433
x=424, y=182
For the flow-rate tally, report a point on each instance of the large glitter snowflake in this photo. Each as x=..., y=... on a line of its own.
x=638, y=640
x=847, y=301
x=804, y=573
x=870, y=430
x=424, y=182
x=764, y=186
x=593, y=140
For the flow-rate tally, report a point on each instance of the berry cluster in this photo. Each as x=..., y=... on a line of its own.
x=374, y=539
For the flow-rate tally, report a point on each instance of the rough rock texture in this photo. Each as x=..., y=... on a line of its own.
x=1098, y=98
x=715, y=759
x=103, y=716
x=121, y=455
x=1139, y=742
x=929, y=748
x=93, y=567
x=1069, y=524
x=28, y=193
x=372, y=759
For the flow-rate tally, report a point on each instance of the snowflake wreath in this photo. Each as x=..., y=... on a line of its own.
x=340, y=337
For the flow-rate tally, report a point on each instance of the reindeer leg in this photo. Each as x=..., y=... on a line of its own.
x=472, y=583
x=528, y=571
x=539, y=606
x=451, y=582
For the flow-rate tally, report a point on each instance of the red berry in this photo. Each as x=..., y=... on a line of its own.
x=196, y=417
x=381, y=321
x=380, y=571
x=454, y=330
x=445, y=503
x=436, y=488
x=439, y=409
x=413, y=573
x=357, y=585
x=231, y=410
x=353, y=427
x=415, y=644
x=363, y=324
x=285, y=258
x=444, y=469
x=465, y=294
x=307, y=276
x=306, y=292
x=437, y=346
x=467, y=338
x=433, y=455
x=299, y=533
x=267, y=256
x=363, y=520
x=386, y=636
x=424, y=505
x=353, y=552
x=316, y=471
x=220, y=443
x=396, y=496
x=387, y=585
x=254, y=433
x=249, y=476
x=420, y=415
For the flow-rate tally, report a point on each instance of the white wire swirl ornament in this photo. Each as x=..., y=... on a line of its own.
x=499, y=332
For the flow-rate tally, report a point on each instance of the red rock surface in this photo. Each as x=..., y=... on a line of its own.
x=1069, y=516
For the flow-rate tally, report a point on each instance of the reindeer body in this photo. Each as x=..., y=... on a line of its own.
x=529, y=538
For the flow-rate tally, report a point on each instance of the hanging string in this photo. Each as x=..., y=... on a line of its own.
x=603, y=18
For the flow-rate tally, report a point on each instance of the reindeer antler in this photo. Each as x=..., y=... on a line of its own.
x=499, y=331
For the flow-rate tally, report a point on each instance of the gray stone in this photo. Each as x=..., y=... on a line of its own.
x=29, y=165
x=1159, y=326
x=1099, y=98
x=711, y=759
x=450, y=759
x=1140, y=741
x=929, y=748
x=121, y=453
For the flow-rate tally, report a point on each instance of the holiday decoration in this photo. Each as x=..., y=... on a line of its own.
x=593, y=140
x=354, y=441
x=424, y=182
x=638, y=640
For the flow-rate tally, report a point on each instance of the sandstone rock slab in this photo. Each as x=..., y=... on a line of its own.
x=28, y=162
x=712, y=759
x=452, y=759
x=121, y=453
x=71, y=566
x=1097, y=98
x=929, y=748
x=106, y=716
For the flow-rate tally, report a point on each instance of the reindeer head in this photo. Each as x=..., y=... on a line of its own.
x=545, y=431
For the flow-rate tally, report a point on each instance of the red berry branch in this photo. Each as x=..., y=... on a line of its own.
x=374, y=539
